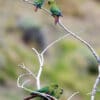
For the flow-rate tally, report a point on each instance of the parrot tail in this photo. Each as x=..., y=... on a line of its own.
x=56, y=19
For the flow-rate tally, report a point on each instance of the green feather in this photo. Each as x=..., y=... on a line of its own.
x=53, y=90
x=38, y=3
x=43, y=90
x=54, y=8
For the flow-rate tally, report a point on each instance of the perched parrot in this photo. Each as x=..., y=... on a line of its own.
x=54, y=9
x=53, y=90
x=38, y=4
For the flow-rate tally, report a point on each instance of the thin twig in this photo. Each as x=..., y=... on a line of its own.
x=25, y=82
x=54, y=43
x=18, y=79
x=94, y=90
x=80, y=39
x=28, y=70
x=38, y=77
x=27, y=89
x=22, y=86
x=47, y=11
x=41, y=60
x=38, y=55
x=74, y=94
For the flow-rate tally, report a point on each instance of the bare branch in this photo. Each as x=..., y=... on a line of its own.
x=47, y=11
x=94, y=90
x=25, y=82
x=22, y=86
x=38, y=77
x=54, y=43
x=80, y=39
x=18, y=79
x=74, y=94
x=38, y=55
x=41, y=60
x=28, y=70
x=27, y=89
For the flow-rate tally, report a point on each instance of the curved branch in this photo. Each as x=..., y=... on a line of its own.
x=18, y=79
x=54, y=43
x=39, y=57
x=94, y=90
x=22, y=86
x=28, y=70
x=74, y=94
x=25, y=82
x=83, y=41
x=38, y=77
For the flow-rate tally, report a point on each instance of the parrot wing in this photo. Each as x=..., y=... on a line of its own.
x=43, y=90
x=38, y=3
x=55, y=10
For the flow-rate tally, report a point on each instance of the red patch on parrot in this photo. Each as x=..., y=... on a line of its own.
x=56, y=19
x=36, y=9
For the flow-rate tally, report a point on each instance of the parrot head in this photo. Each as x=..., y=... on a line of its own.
x=51, y=2
x=55, y=90
x=58, y=92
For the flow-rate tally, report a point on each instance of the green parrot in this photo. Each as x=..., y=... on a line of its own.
x=54, y=9
x=53, y=90
x=38, y=4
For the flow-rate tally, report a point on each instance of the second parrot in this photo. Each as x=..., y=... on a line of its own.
x=52, y=90
x=38, y=4
x=55, y=11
